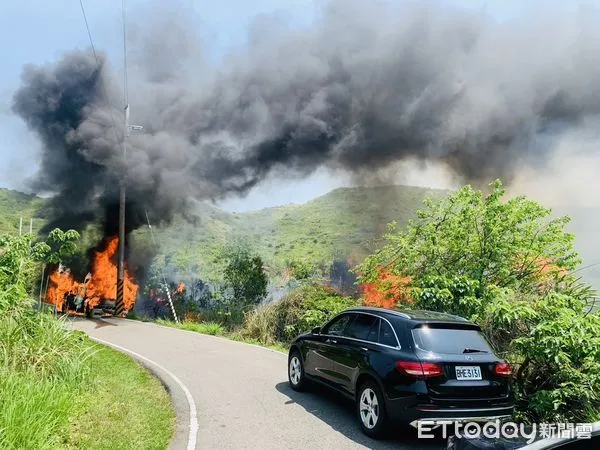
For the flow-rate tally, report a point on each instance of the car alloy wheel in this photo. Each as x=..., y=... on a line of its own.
x=369, y=408
x=371, y=411
x=295, y=370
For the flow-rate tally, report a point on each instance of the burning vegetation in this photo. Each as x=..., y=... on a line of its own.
x=387, y=291
x=66, y=293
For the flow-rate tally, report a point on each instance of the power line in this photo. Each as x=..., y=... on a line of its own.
x=125, y=81
x=104, y=92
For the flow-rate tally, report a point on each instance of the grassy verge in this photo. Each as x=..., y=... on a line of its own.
x=123, y=407
x=33, y=412
x=60, y=390
x=216, y=329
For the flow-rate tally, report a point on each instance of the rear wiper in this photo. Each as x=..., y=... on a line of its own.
x=474, y=350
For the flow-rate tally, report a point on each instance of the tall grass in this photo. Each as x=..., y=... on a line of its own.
x=47, y=386
x=212, y=328
x=34, y=412
x=42, y=370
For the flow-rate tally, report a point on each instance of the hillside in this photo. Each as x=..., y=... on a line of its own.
x=344, y=224
x=14, y=205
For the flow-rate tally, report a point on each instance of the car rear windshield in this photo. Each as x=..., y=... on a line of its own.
x=450, y=340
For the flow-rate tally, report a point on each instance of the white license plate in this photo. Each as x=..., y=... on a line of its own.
x=468, y=373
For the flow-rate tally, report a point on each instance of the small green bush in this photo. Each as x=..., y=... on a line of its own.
x=301, y=310
x=556, y=348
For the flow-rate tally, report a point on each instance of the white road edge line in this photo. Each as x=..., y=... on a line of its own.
x=193, y=432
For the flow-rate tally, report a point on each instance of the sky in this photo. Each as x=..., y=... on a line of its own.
x=32, y=32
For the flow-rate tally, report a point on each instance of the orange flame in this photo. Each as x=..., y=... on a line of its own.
x=180, y=288
x=387, y=291
x=101, y=285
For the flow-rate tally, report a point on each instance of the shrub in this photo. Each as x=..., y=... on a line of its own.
x=452, y=294
x=507, y=265
x=301, y=310
x=42, y=364
x=556, y=348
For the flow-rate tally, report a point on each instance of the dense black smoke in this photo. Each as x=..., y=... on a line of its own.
x=366, y=86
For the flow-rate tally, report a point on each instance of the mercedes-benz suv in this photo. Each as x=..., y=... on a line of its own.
x=404, y=366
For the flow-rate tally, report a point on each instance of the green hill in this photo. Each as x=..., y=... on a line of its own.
x=16, y=205
x=344, y=224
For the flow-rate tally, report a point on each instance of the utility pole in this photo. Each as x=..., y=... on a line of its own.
x=121, y=262
x=120, y=304
x=31, y=225
x=20, y=225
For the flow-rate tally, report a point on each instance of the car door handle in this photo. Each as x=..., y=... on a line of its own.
x=331, y=341
x=364, y=349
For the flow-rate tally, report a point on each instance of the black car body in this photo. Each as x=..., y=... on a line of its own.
x=419, y=365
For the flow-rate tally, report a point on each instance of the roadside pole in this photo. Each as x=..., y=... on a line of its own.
x=120, y=304
x=121, y=258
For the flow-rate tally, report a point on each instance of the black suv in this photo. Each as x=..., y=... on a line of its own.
x=404, y=366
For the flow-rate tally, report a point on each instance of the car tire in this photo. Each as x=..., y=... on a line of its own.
x=370, y=409
x=296, y=375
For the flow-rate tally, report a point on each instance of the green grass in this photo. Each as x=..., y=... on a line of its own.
x=123, y=407
x=60, y=390
x=216, y=329
x=345, y=223
x=34, y=412
x=14, y=205
x=212, y=328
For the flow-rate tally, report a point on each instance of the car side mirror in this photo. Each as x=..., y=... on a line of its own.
x=316, y=330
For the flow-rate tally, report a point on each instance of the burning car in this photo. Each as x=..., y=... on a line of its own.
x=95, y=295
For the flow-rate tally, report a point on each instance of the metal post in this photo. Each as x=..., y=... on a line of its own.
x=31, y=225
x=20, y=225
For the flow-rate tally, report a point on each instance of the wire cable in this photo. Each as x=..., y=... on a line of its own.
x=125, y=80
x=103, y=87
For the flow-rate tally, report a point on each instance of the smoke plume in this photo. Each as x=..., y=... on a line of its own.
x=368, y=85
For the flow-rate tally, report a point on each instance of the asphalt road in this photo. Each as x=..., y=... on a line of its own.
x=238, y=395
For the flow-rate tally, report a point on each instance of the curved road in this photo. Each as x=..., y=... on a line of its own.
x=238, y=392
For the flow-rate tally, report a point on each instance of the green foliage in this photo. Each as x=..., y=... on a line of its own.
x=212, y=328
x=452, y=294
x=18, y=257
x=557, y=348
x=301, y=310
x=60, y=244
x=480, y=237
x=343, y=222
x=300, y=270
x=245, y=276
x=34, y=412
x=42, y=368
x=16, y=205
x=506, y=264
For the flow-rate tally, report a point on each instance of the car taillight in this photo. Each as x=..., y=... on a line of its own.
x=503, y=370
x=418, y=369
